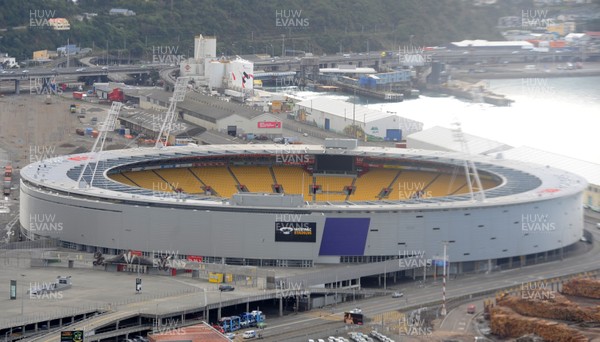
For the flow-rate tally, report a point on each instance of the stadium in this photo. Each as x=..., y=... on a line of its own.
x=302, y=205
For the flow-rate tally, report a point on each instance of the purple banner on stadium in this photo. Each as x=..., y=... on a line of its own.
x=344, y=236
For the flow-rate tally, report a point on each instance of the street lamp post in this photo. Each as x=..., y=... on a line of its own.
x=443, y=311
x=220, y=304
x=444, y=283
x=22, y=294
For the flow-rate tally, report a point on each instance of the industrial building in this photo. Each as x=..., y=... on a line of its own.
x=480, y=44
x=217, y=113
x=208, y=70
x=147, y=124
x=338, y=116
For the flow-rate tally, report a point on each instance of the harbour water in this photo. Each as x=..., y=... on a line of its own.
x=559, y=115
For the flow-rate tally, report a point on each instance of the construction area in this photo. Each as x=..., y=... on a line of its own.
x=571, y=313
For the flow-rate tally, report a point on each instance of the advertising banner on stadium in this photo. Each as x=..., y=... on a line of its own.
x=296, y=231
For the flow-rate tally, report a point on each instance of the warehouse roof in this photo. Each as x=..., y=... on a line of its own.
x=347, y=70
x=349, y=110
x=205, y=106
x=485, y=43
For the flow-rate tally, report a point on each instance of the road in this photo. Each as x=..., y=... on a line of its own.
x=313, y=326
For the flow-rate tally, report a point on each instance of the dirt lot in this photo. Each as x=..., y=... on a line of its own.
x=31, y=130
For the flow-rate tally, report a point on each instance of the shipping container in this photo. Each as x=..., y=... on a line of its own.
x=215, y=277
x=558, y=44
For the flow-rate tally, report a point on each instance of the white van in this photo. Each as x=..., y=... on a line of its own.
x=249, y=334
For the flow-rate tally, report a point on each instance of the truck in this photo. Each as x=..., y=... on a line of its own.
x=78, y=95
x=251, y=319
x=230, y=324
x=7, y=180
x=116, y=95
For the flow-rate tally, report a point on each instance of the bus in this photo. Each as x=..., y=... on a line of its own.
x=354, y=316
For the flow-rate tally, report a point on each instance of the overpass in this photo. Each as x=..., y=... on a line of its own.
x=28, y=75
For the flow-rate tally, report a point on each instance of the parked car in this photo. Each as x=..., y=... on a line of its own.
x=226, y=288
x=230, y=336
x=249, y=334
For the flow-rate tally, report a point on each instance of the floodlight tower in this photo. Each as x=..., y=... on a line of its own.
x=476, y=190
x=178, y=96
x=107, y=126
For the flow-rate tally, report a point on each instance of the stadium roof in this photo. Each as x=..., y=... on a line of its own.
x=443, y=139
x=587, y=170
x=347, y=110
x=522, y=181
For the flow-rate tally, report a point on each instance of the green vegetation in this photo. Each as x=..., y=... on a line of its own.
x=250, y=26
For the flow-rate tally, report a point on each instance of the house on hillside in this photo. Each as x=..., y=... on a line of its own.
x=121, y=11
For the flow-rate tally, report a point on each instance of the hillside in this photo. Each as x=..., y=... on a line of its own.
x=250, y=26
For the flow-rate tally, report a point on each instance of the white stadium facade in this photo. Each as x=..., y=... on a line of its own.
x=301, y=205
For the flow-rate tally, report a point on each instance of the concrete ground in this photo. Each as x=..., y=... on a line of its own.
x=99, y=289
